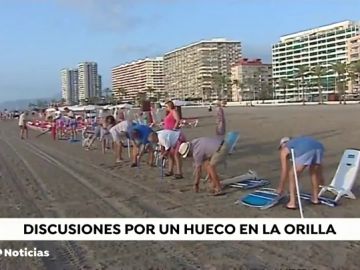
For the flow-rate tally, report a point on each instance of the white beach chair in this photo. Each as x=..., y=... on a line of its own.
x=345, y=176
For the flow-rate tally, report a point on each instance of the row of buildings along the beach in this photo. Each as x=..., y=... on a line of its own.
x=82, y=84
x=213, y=69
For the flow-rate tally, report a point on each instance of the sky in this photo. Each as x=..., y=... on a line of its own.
x=40, y=37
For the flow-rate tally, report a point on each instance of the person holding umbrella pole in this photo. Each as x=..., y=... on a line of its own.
x=305, y=152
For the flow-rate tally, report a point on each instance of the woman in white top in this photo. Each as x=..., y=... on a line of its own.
x=22, y=124
x=170, y=141
x=119, y=134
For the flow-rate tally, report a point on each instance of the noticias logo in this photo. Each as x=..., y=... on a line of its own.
x=24, y=252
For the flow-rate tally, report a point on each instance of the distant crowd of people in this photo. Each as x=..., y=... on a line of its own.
x=116, y=131
x=8, y=115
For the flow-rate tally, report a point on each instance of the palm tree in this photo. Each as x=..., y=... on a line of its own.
x=220, y=81
x=242, y=86
x=283, y=84
x=340, y=70
x=252, y=83
x=265, y=91
x=141, y=97
x=319, y=71
x=354, y=72
x=150, y=90
x=158, y=96
x=206, y=93
x=236, y=83
x=112, y=99
x=301, y=73
x=121, y=93
x=274, y=84
x=107, y=93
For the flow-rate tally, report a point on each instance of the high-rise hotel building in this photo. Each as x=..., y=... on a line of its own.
x=189, y=71
x=69, y=86
x=323, y=46
x=138, y=77
x=88, y=81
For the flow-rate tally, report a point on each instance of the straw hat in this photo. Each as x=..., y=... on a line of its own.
x=184, y=149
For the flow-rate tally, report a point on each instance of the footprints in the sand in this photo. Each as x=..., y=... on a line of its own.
x=124, y=164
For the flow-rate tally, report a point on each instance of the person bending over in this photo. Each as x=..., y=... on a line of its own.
x=119, y=133
x=170, y=141
x=139, y=135
x=207, y=152
x=308, y=154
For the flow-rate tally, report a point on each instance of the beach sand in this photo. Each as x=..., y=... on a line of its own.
x=43, y=178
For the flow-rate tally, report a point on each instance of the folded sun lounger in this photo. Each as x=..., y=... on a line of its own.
x=250, y=175
x=323, y=200
x=248, y=180
x=250, y=183
x=263, y=198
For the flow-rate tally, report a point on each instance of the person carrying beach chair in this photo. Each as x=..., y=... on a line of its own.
x=308, y=154
x=139, y=138
x=207, y=152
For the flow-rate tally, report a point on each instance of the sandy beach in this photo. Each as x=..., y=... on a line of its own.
x=43, y=178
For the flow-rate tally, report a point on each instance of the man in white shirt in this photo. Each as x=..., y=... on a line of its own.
x=170, y=141
x=119, y=135
x=22, y=124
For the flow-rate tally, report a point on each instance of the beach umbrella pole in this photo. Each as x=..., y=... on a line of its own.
x=162, y=169
x=297, y=183
x=128, y=148
x=138, y=164
x=42, y=133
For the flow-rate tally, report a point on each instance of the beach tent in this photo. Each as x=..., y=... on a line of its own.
x=124, y=106
x=49, y=110
x=91, y=107
x=180, y=102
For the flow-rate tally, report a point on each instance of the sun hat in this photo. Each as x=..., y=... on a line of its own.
x=184, y=149
x=283, y=140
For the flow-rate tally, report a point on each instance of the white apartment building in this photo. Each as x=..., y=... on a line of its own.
x=138, y=77
x=253, y=77
x=88, y=80
x=69, y=86
x=353, y=45
x=323, y=46
x=190, y=71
